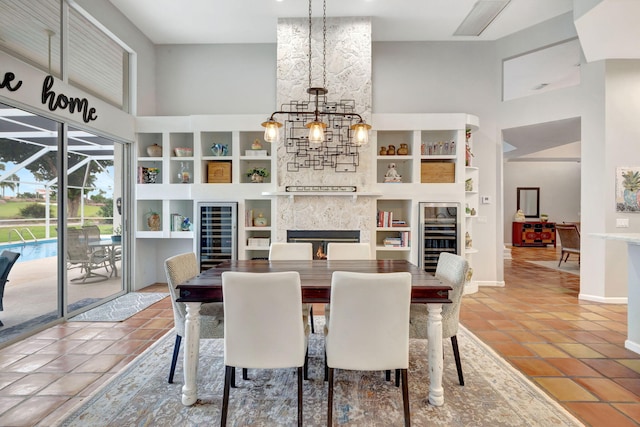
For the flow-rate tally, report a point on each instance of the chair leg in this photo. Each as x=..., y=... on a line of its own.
x=300, y=396
x=387, y=375
x=405, y=397
x=326, y=368
x=456, y=355
x=245, y=374
x=313, y=331
x=397, y=377
x=306, y=365
x=174, y=359
x=233, y=378
x=330, y=399
x=228, y=375
x=560, y=262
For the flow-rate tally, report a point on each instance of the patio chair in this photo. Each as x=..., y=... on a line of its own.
x=569, y=240
x=7, y=259
x=79, y=255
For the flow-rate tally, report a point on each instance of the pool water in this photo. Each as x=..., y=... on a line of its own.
x=33, y=250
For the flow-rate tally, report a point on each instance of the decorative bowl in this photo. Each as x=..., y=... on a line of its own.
x=183, y=152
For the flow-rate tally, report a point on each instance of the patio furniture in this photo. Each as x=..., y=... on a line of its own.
x=80, y=255
x=7, y=259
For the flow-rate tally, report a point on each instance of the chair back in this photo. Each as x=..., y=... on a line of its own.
x=290, y=251
x=178, y=269
x=369, y=323
x=452, y=269
x=348, y=251
x=77, y=247
x=569, y=236
x=11, y=258
x=263, y=326
x=91, y=233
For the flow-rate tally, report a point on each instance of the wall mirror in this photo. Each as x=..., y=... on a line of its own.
x=529, y=201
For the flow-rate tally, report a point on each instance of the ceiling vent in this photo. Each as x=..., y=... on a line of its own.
x=480, y=16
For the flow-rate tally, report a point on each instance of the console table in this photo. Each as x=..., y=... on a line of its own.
x=534, y=233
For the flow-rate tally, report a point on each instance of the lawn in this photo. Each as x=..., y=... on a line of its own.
x=11, y=211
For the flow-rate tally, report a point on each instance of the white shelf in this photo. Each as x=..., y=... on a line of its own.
x=393, y=248
x=256, y=248
x=293, y=194
x=393, y=228
x=254, y=228
x=470, y=251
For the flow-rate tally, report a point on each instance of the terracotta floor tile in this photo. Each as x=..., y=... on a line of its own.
x=29, y=346
x=631, y=384
x=65, y=363
x=8, y=402
x=607, y=389
x=7, y=378
x=574, y=367
x=546, y=350
x=600, y=414
x=612, y=368
x=479, y=325
x=511, y=349
x=584, y=337
x=114, y=333
x=7, y=359
x=535, y=367
x=31, y=363
x=580, y=351
x=555, y=336
x=504, y=325
x=32, y=410
x=632, y=410
x=92, y=347
x=612, y=336
x=29, y=384
x=61, y=346
x=565, y=389
x=124, y=347
x=612, y=350
x=525, y=336
x=69, y=385
x=493, y=336
x=99, y=363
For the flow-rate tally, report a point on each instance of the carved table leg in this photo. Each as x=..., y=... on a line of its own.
x=436, y=364
x=191, y=353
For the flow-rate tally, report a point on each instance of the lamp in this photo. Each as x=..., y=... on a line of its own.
x=359, y=131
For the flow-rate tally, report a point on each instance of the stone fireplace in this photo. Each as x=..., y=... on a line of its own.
x=321, y=238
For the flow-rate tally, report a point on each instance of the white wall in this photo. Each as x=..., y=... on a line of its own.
x=559, y=184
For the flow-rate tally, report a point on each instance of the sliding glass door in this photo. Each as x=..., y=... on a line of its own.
x=61, y=192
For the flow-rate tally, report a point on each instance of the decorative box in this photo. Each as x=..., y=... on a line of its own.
x=219, y=172
x=255, y=153
x=438, y=172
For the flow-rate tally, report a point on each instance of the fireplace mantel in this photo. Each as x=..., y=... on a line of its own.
x=293, y=194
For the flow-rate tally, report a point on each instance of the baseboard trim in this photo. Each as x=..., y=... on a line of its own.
x=633, y=346
x=495, y=284
x=605, y=300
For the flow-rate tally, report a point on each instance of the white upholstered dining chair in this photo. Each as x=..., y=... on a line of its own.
x=348, y=251
x=360, y=336
x=263, y=327
x=296, y=251
x=180, y=268
x=451, y=269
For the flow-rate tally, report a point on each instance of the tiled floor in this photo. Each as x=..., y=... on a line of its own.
x=572, y=349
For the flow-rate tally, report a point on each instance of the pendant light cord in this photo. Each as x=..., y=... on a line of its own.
x=324, y=44
x=309, y=44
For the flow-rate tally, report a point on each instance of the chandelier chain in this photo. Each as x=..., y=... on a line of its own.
x=324, y=43
x=310, y=44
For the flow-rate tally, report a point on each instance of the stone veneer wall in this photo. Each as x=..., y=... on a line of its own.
x=348, y=75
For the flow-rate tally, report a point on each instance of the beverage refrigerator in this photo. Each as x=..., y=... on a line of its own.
x=440, y=225
x=217, y=233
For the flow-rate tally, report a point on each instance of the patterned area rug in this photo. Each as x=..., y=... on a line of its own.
x=495, y=394
x=121, y=308
x=568, y=267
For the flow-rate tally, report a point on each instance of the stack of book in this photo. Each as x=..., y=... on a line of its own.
x=400, y=241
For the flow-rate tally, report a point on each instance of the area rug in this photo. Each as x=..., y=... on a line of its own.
x=121, y=308
x=495, y=394
x=568, y=267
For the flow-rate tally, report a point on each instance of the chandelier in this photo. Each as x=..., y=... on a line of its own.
x=321, y=113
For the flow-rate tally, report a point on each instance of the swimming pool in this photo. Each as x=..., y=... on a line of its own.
x=33, y=250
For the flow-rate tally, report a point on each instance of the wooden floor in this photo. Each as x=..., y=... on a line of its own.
x=572, y=349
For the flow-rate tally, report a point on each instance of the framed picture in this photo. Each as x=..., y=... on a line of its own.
x=628, y=189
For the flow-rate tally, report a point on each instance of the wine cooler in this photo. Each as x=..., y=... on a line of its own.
x=217, y=233
x=440, y=225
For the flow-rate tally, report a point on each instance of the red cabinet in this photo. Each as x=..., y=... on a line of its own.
x=534, y=234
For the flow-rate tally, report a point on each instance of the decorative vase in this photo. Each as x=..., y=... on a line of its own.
x=257, y=178
x=116, y=239
x=153, y=221
x=154, y=150
x=260, y=221
x=403, y=150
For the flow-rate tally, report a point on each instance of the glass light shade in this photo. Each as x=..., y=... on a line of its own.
x=271, y=130
x=361, y=133
x=316, y=132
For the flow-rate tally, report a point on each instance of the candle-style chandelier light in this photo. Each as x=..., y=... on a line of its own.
x=323, y=111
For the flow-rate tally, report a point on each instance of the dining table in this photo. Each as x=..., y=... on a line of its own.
x=315, y=278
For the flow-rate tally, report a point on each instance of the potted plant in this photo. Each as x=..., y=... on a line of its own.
x=257, y=174
x=116, y=237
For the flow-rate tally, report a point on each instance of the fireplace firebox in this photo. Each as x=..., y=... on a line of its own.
x=320, y=239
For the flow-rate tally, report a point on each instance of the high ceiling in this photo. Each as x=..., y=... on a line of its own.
x=255, y=21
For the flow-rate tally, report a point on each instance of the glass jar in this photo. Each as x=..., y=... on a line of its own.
x=184, y=176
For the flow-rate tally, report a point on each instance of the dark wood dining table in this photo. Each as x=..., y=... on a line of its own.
x=315, y=278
